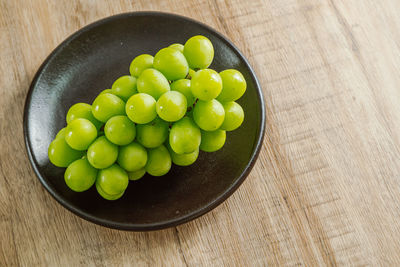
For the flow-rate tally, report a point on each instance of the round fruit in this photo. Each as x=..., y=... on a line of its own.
x=171, y=63
x=141, y=108
x=132, y=157
x=212, y=141
x=113, y=180
x=234, y=116
x=124, y=87
x=80, y=175
x=83, y=111
x=233, y=85
x=60, y=153
x=184, y=136
x=152, y=134
x=152, y=82
x=120, y=130
x=107, y=196
x=80, y=133
x=183, y=159
x=209, y=115
x=199, y=52
x=107, y=105
x=206, y=84
x=158, y=162
x=140, y=63
x=171, y=106
x=102, y=153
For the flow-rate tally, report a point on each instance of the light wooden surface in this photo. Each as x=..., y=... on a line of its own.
x=326, y=187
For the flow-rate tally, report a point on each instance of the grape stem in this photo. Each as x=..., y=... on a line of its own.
x=192, y=107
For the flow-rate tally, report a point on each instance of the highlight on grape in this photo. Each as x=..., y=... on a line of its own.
x=169, y=108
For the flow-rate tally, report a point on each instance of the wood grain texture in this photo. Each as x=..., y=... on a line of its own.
x=326, y=187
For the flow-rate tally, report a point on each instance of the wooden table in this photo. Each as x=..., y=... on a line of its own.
x=326, y=187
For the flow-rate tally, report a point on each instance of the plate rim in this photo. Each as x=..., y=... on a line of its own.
x=162, y=224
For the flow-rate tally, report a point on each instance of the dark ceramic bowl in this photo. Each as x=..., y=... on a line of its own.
x=88, y=62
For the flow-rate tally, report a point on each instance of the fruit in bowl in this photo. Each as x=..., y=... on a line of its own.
x=170, y=107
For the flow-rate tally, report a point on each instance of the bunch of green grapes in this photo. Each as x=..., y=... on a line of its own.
x=169, y=108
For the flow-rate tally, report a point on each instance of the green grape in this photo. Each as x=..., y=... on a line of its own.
x=184, y=136
x=183, y=159
x=171, y=106
x=80, y=133
x=183, y=86
x=106, y=91
x=171, y=63
x=132, y=157
x=158, y=161
x=152, y=82
x=107, y=196
x=83, y=111
x=60, y=153
x=199, y=52
x=102, y=153
x=113, y=180
x=120, y=130
x=106, y=106
x=61, y=133
x=124, y=87
x=212, y=141
x=141, y=108
x=80, y=175
x=178, y=47
x=206, y=84
x=209, y=115
x=153, y=134
x=191, y=73
x=140, y=63
x=234, y=116
x=136, y=175
x=234, y=85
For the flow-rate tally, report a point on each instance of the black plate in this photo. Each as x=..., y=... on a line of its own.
x=88, y=62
